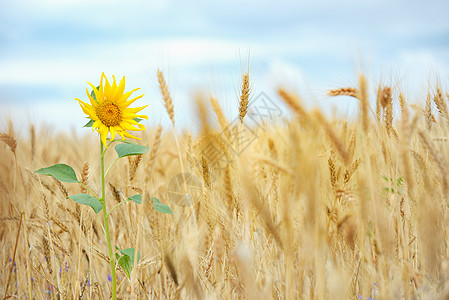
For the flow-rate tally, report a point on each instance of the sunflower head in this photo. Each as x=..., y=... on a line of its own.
x=109, y=109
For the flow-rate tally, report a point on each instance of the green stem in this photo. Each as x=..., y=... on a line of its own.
x=99, y=221
x=107, y=171
x=106, y=223
x=87, y=188
x=124, y=201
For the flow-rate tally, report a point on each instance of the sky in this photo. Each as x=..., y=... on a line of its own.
x=50, y=49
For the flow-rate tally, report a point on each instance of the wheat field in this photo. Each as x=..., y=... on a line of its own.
x=310, y=207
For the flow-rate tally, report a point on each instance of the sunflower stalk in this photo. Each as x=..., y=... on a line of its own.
x=117, y=205
x=106, y=222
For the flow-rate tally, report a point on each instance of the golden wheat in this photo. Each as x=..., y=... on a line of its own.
x=244, y=97
x=313, y=208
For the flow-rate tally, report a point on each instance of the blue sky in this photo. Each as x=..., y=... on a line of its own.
x=50, y=49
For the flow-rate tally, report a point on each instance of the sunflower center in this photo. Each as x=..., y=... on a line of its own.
x=109, y=114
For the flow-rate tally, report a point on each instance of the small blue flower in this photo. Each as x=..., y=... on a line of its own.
x=109, y=277
x=48, y=289
x=359, y=297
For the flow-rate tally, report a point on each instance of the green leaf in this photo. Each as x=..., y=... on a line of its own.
x=138, y=120
x=162, y=208
x=130, y=149
x=136, y=198
x=126, y=260
x=87, y=200
x=92, y=94
x=155, y=200
x=89, y=124
x=61, y=172
x=157, y=205
x=130, y=252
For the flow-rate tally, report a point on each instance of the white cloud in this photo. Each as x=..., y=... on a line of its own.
x=63, y=44
x=117, y=57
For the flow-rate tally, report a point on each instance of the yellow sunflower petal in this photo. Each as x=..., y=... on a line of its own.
x=115, y=91
x=128, y=126
x=129, y=135
x=120, y=133
x=107, y=88
x=133, y=116
x=127, y=103
x=87, y=110
x=120, y=88
x=126, y=96
x=98, y=93
x=86, y=105
x=103, y=130
x=112, y=131
x=130, y=120
x=96, y=124
x=92, y=100
x=114, y=83
x=135, y=109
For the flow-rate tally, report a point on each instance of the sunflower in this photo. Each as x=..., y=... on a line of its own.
x=109, y=110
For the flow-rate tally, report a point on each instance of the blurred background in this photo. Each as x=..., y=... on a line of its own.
x=51, y=48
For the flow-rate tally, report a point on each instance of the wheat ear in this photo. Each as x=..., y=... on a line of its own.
x=244, y=97
x=9, y=140
x=168, y=103
x=347, y=91
x=294, y=103
x=219, y=113
x=364, y=104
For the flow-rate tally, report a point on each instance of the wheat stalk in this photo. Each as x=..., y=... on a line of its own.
x=437, y=157
x=154, y=150
x=333, y=137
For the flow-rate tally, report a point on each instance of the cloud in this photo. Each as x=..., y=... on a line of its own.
x=50, y=48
